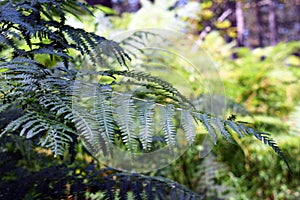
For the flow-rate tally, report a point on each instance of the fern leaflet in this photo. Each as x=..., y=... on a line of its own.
x=145, y=115
x=168, y=126
x=125, y=119
x=188, y=126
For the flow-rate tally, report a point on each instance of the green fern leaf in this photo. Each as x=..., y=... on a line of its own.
x=14, y=125
x=29, y=124
x=87, y=130
x=235, y=127
x=145, y=115
x=188, y=126
x=103, y=111
x=168, y=126
x=160, y=84
x=37, y=129
x=56, y=140
x=264, y=137
x=220, y=126
x=206, y=122
x=125, y=119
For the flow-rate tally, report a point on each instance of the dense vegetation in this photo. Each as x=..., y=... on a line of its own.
x=42, y=56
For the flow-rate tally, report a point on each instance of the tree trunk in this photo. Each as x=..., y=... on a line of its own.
x=240, y=23
x=273, y=23
x=259, y=24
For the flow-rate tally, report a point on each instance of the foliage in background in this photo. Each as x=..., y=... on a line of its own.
x=266, y=82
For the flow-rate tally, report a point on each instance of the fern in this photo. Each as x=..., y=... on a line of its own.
x=126, y=110
x=205, y=120
x=188, y=126
x=42, y=26
x=125, y=120
x=33, y=123
x=168, y=126
x=210, y=172
x=14, y=125
x=95, y=46
x=219, y=124
x=145, y=115
x=161, y=87
x=188, y=118
x=56, y=139
x=104, y=114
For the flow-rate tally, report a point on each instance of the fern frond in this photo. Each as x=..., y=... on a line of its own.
x=265, y=138
x=242, y=130
x=159, y=83
x=33, y=123
x=10, y=14
x=153, y=91
x=149, y=78
x=56, y=140
x=220, y=126
x=14, y=125
x=104, y=114
x=56, y=105
x=168, y=126
x=125, y=119
x=7, y=41
x=136, y=42
x=50, y=50
x=207, y=123
x=88, y=132
x=46, y=93
x=21, y=65
x=145, y=115
x=95, y=46
x=188, y=126
x=46, y=19
x=36, y=129
x=235, y=127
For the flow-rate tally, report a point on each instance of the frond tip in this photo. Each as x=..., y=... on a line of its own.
x=242, y=129
x=265, y=138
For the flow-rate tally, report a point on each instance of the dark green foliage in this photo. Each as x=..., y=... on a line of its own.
x=53, y=181
x=45, y=21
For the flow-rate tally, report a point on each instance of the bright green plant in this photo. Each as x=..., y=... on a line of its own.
x=266, y=82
